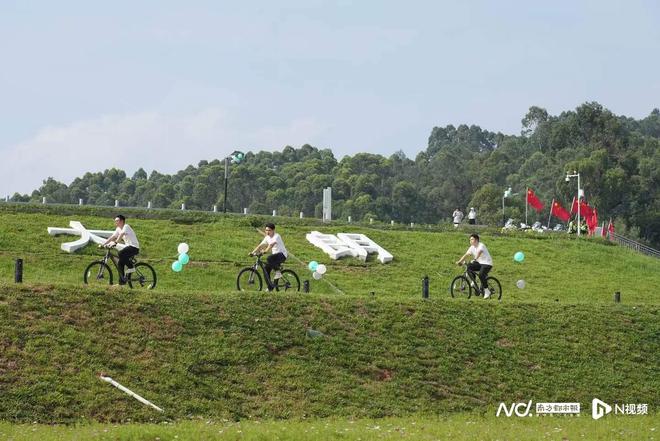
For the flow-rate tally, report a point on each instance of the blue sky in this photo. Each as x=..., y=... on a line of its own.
x=162, y=84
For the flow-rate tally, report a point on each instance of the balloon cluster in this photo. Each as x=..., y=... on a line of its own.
x=183, y=259
x=318, y=269
x=519, y=257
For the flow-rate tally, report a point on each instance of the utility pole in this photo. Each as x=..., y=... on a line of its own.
x=235, y=158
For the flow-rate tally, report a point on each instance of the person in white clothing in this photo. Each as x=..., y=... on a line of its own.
x=124, y=232
x=472, y=216
x=458, y=217
x=482, y=262
x=272, y=242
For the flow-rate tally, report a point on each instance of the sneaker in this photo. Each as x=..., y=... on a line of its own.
x=486, y=293
x=129, y=270
x=278, y=275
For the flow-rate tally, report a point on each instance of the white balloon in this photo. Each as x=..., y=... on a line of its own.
x=316, y=275
x=183, y=248
x=520, y=284
x=321, y=269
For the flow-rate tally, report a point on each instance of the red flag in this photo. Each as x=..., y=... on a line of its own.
x=585, y=210
x=559, y=212
x=533, y=200
x=603, y=231
x=592, y=221
x=610, y=227
x=574, y=206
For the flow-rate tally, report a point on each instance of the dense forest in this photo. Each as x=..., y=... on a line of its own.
x=618, y=159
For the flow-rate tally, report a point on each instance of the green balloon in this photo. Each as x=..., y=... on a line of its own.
x=177, y=266
x=184, y=258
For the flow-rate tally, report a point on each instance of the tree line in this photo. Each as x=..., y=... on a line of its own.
x=618, y=159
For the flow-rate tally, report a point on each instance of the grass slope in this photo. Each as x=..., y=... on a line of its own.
x=197, y=348
x=236, y=356
x=557, y=268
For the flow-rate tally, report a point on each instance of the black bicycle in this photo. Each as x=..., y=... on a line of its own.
x=468, y=283
x=142, y=275
x=249, y=278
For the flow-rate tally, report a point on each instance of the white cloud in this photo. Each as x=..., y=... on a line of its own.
x=151, y=140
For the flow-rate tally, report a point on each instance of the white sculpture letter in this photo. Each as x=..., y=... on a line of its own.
x=77, y=229
x=348, y=244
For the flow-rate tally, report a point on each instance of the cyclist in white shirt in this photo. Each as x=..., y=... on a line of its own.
x=482, y=262
x=272, y=242
x=124, y=232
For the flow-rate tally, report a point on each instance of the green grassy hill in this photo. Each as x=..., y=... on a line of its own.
x=236, y=356
x=556, y=267
x=197, y=348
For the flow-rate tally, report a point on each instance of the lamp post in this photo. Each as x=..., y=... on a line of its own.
x=235, y=158
x=568, y=178
x=507, y=193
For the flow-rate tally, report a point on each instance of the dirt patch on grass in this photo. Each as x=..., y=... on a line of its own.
x=504, y=343
x=384, y=375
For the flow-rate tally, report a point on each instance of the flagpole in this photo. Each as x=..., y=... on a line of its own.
x=552, y=205
x=568, y=178
x=526, y=203
x=578, y=195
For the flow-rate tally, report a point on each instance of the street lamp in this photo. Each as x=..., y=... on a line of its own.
x=507, y=194
x=568, y=178
x=235, y=158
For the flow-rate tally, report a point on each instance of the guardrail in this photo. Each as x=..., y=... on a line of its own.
x=636, y=246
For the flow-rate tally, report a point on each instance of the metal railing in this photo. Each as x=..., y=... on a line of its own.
x=636, y=246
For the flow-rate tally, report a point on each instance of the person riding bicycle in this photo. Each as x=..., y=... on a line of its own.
x=272, y=242
x=124, y=232
x=482, y=262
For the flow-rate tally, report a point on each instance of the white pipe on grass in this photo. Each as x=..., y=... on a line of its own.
x=130, y=392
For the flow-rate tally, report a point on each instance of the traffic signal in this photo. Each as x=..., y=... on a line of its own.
x=237, y=157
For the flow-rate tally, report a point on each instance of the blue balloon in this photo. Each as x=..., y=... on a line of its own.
x=519, y=256
x=177, y=266
x=184, y=258
x=313, y=265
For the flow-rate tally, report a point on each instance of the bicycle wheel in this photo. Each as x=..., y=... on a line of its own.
x=248, y=280
x=495, y=288
x=288, y=282
x=97, y=273
x=144, y=277
x=460, y=287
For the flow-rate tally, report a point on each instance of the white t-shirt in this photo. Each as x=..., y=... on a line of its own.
x=278, y=244
x=130, y=239
x=472, y=214
x=484, y=258
x=458, y=217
